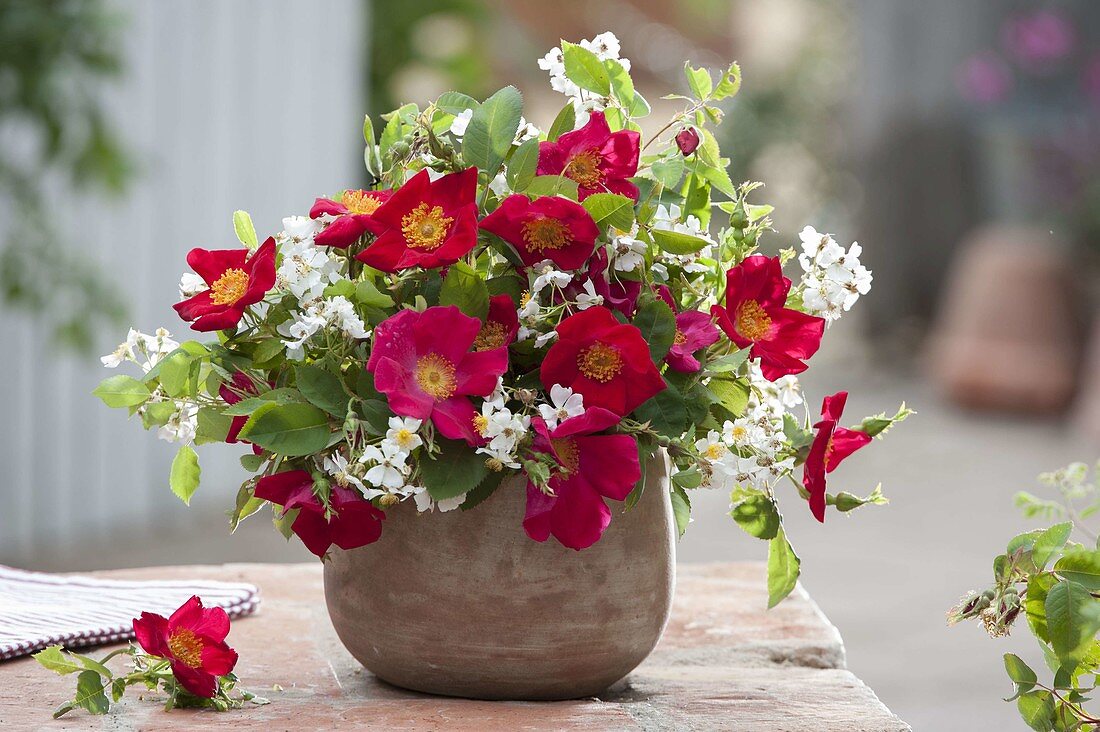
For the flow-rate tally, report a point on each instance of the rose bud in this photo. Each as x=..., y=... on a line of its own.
x=687, y=140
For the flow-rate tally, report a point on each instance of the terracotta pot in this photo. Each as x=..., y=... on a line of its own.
x=465, y=604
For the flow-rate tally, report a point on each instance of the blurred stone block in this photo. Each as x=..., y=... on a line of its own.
x=1007, y=334
x=1086, y=410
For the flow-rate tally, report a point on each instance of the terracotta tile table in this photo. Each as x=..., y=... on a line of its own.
x=724, y=664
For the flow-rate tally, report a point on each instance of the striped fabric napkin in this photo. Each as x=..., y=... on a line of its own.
x=38, y=610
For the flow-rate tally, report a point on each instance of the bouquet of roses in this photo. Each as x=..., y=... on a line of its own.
x=502, y=300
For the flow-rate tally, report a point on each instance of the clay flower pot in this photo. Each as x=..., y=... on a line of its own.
x=465, y=604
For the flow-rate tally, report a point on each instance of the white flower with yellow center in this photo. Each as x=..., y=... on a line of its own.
x=563, y=405
x=425, y=502
x=389, y=469
x=182, y=425
x=403, y=433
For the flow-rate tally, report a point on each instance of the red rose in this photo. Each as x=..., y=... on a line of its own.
x=832, y=443
x=597, y=159
x=425, y=223
x=606, y=361
x=756, y=315
x=501, y=324
x=193, y=639
x=353, y=213
x=236, y=281
x=549, y=227
x=687, y=140
x=594, y=467
x=352, y=521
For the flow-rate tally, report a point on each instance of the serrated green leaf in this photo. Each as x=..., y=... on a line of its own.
x=1037, y=710
x=564, y=122
x=699, y=81
x=57, y=660
x=755, y=513
x=292, y=430
x=681, y=508
x=665, y=411
x=675, y=242
x=657, y=323
x=669, y=171
x=1073, y=617
x=784, y=567
x=367, y=293
x=1081, y=566
x=522, y=165
x=185, y=473
x=729, y=84
x=244, y=229
x=552, y=185
x=585, y=69
x=175, y=374
x=1035, y=599
x=464, y=288
x=322, y=388
x=484, y=489
x=122, y=391
x=89, y=693
x=1050, y=541
x=456, y=103
x=1020, y=673
x=455, y=470
x=732, y=395
x=492, y=129
x=610, y=209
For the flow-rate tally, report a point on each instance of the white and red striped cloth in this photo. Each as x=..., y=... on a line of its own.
x=38, y=609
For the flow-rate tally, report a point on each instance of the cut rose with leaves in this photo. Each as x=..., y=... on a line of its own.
x=550, y=227
x=349, y=523
x=193, y=640
x=351, y=216
x=422, y=362
x=832, y=444
x=236, y=280
x=755, y=315
x=425, y=223
x=593, y=467
x=606, y=361
x=595, y=158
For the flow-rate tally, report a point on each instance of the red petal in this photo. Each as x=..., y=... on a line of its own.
x=151, y=632
x=282, y=487
x=195, y=680
x=579, y=516
x=327, y=206
x=536, y=518
x=610, y=464
x=218, y=658
x=845, y=442
x=212, y=264
x=314, y=532
x=342, y=232
x=594, y=419
x=227, y=318
x=454, y=418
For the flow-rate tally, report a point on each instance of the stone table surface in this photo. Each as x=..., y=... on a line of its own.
x=724, y=663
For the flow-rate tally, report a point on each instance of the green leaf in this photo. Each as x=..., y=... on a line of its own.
x=464, y=288
x=681, y=509
x=585, y=69
x=657, y=323
x=213, y=426
x=1020, y=673
x=1035, y=600
x=729, y=84
x=1037, y=710
x=368, y=294
x=157, y=414
x=665, y=411
x=292, y=430
x=1081, y=566
x=175, y=374
x=522, y=165
x=783, y=568
x=622, y=88
x=267, y=350
x=669, y=171
x=483, y=490
x=675, y=242
x=1049, y=542
x=57, y=660
x=246, y=232
x=453, y=102
x=610, y=209
x=89, y=693
x=282, y=395
x=699, y=81
x=323, y=389
x=564, y=122
x=376, y=415
x=252, y=462
x=1073, y=617
x=491, y=130
x=122, y=391
x=731, y=394
x=455, y=470
x=185, y=473
x=730, y=362
x=552, y=185
x=755, y=513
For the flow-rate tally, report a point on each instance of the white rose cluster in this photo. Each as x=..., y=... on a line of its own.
x=605, y=46
x=834, y=278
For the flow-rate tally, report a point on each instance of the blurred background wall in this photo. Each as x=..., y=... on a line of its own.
x=130, y=131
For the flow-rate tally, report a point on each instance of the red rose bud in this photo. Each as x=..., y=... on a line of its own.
x=687, y=140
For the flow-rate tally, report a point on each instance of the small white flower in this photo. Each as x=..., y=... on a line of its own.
x=564, y=403
x=529, y=310
x=336, y=465
x=461, y=122
x=342, y=313
x=498, y=397
x=181, y=426
x=499, y=185
x=191, y=284
x=424, y=501
x=588, y=298
x=526, y=131
x=389, y=465
x=545, y=338
x=403, y=433
x=297, y=229
x=628, y=252
x=548, y=276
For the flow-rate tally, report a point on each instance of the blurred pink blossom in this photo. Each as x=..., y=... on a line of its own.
x=1039, y=39
x=984, y=78
x=1090, y=79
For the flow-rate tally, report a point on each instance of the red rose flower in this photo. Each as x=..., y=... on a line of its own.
x=549, y=227
x=501, y=324
x=353, y=213
x=352, y=521
x=694, y=330
x=236, y=281
x=241, y=384
x=597, y=159
x=606, y=361
x=687, y=140
x=193, y=640
x=425, y=223
x=832, y=443
x=755, y=315
x=594, y=467
x=423, y=364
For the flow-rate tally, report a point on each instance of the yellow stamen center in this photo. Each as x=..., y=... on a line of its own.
x=360, y=202
x=600, y=362
x=752, y=320
x=436, y=376
x=566, y=448
x=584, y=168
x=679, y=339
x=525, y=298
x=186, y=647
x=230, y=287
x=404, y=437
x=545, y=233
x=715, y=450
x=738, y=433
x=492, y=335
x=425, y=228
x=481, y=424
